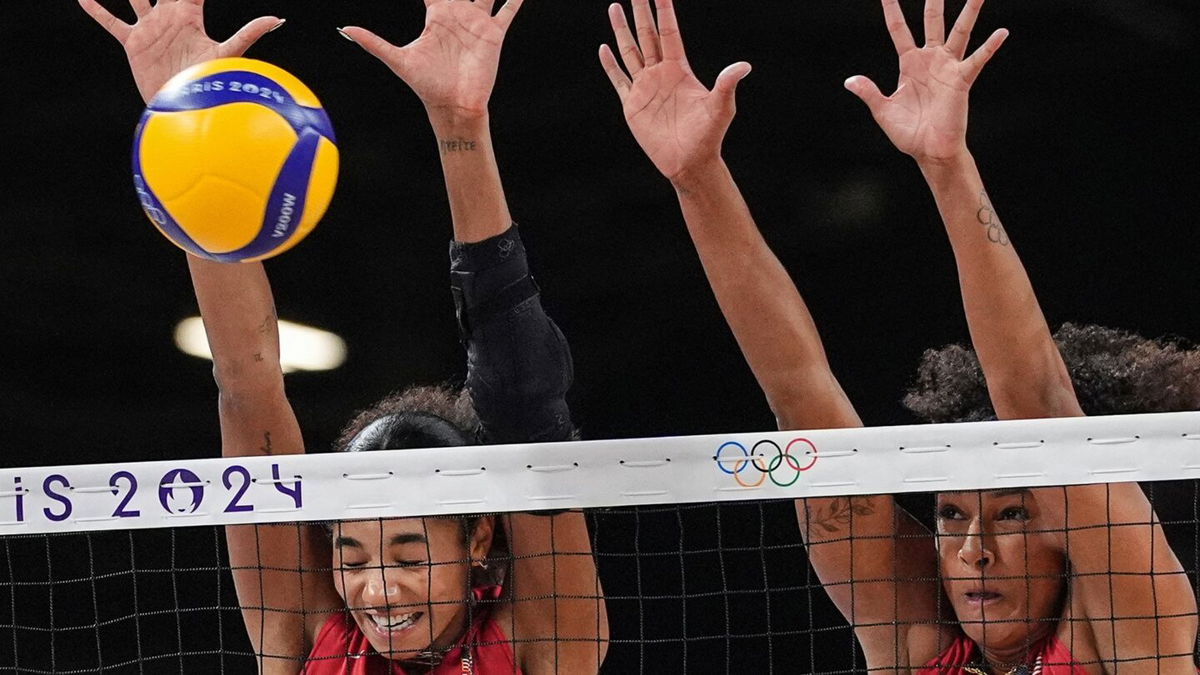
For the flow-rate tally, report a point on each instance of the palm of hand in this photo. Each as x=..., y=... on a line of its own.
x=453, y=62
x=927, y=116
x=167, y=40
x=670, y=115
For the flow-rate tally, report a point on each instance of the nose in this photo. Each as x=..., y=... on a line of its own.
x=975, y=551
x=380, y=590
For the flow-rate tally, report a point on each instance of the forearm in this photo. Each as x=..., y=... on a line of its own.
x=239, y=319
x=477, y=205
x=1025, y=373
x=768, y=317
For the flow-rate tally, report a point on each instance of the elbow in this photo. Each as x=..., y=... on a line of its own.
x=245, y=390
x=803, y=400
x=240, y=377
x=1019, y=398
x=1033, y=388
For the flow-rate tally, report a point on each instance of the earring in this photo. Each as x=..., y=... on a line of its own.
x=481, y=564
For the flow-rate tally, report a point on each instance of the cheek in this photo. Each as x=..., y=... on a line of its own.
x=947, y=547
x=340, y=584
x=1048, y=564
x=449, y=582
x=1038, y=559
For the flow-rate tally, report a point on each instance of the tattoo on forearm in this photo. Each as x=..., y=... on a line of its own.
x=266, y=448
x=449, y=145
x=986, y=215
x=839, y=512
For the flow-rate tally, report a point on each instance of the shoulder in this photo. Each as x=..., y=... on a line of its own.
x=495, y=649
x=939, y=649
x=335, y=637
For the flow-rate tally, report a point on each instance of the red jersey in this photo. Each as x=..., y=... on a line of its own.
x=342, y=649
x=1050, y=658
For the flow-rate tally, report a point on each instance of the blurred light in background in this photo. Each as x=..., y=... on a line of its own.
x=300, y=347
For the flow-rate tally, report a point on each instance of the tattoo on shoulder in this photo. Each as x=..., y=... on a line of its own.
x=840, y=511
x=448, y=145
x=986, y=215
x=266, y=447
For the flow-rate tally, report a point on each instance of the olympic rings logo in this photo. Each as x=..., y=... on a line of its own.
x=782, y=467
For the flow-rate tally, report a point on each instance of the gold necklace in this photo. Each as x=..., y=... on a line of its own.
x=1020, y=669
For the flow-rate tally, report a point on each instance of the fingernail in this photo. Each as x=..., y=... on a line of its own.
x=345, y=35
x=278, y=25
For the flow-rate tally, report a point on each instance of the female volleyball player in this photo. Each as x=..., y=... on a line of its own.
x=409, y=594
x=1032, y=583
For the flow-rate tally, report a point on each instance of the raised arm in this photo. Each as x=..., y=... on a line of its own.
x=239, y=318
x=519, y=365
x=1121, y=563
x=926, y=118
x=681, y=124
x=282, y=606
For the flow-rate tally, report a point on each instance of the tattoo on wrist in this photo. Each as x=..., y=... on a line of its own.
x=840, y=511
x=986, y=215
x=448, y=145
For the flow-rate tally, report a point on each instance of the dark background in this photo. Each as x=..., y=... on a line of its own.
x=1081, y=126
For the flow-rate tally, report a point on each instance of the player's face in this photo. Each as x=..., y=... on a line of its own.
x=406, y=580
x=1003, y=576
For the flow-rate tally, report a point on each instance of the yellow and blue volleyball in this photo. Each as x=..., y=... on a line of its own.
x=235, y=160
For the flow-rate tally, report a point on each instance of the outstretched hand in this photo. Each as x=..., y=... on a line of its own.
x=452, y=65
x=169, y=37
x=926, y=117
x=679, y=123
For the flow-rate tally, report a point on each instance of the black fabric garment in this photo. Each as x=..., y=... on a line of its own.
x=519, y=365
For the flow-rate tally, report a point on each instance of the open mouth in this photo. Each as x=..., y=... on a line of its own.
x=982, y=598
x=389, y=625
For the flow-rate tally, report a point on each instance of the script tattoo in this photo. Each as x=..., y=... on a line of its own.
x=840, y=511
x=986, y=215
x=266, y=448
x=448, y=145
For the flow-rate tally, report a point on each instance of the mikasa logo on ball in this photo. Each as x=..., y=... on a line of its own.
x=155, y=213
x=285, y=215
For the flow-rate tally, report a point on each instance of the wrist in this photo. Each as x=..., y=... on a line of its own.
x=451, y=119
x=459, y=134
x=954, y=163
x=697, y=176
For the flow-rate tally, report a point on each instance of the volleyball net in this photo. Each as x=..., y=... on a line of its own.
x=696, y=542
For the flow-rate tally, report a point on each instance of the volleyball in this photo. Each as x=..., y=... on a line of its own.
x=235, y=160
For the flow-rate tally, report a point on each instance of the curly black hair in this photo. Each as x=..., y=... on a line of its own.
x=1114, y=372
x=427, y=417
x=416, y=417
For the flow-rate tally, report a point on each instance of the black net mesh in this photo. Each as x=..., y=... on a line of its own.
x=698, y=588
